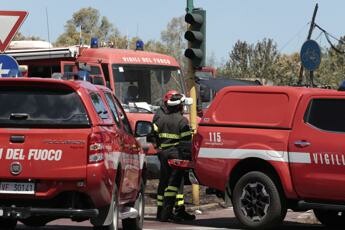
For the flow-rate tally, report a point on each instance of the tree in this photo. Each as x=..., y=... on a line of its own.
x=287, y=69
x=173, y=39
x=332, y=68
x=20, y=37
x=238, y=65
x=86, y=23
x=156, y=46
x=70, y=37
x=264, y=59
x=252, y=61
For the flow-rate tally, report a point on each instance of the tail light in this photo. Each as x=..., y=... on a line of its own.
x=197, y=139
x=96, y=148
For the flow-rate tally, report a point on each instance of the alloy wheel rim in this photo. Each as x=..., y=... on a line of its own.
x=254, y=201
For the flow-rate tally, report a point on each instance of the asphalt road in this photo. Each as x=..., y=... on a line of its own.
x=208, y=220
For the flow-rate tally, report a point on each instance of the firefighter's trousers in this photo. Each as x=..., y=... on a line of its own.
x=170, y=184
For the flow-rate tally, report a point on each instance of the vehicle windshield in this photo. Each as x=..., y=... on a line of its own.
x=145, y=85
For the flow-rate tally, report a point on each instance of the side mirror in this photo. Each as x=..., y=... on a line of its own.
x=143, y=128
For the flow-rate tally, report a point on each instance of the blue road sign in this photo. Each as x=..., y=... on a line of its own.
x=310, y=55
x=8, y=66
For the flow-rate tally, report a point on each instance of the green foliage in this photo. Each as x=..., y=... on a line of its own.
x=332, y=68
x=262, y=61
x=252, y=61
x=20, y=37
x=85, y=24
x=173, y=39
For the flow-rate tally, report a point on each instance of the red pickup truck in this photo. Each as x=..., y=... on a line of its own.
x=67, y=151
x=269, y=149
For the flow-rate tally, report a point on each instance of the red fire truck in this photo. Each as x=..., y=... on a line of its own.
x=138, y=78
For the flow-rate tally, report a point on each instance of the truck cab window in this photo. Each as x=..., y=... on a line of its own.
x=327, y=114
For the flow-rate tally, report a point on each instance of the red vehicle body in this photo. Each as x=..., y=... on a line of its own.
x=67, y=150
x=272, y=148
x=150, y=74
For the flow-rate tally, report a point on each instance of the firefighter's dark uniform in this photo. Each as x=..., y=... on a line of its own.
x=174, y=141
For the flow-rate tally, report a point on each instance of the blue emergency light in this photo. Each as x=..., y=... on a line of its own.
x=342, y=86
x=84, y=75
x=139, y=45
x=94, y=42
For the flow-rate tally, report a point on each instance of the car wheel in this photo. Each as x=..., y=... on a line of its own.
x=35, y=221
x=109, y=216
x=8, y=224
x=257, y=202
x=137, y=223
x=330, y=218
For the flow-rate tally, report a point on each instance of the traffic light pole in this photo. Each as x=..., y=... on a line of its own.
x=192, y=94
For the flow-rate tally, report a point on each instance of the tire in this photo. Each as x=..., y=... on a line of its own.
x=330, y=218
x=257, y=202
x=7, y=224
x=137, y=223
x=108, y=217
x=35, y=221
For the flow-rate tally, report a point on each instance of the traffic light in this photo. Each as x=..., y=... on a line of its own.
x=196, y=35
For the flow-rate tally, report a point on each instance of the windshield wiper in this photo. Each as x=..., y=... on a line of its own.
x=19, y=116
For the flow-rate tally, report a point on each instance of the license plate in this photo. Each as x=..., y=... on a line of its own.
x=17, y=187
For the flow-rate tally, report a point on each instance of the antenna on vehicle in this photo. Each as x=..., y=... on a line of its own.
x=49, y=52
x=47, y=18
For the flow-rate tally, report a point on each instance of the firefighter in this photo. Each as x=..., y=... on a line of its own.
x=174, y=141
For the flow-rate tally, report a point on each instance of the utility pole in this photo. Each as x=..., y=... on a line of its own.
x=311, y=28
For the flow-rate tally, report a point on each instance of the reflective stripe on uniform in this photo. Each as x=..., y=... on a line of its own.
x=170, y=191
x=180, y=203
x=179, y=196
x=169, y=135
x=168, y=145
x=159, y=197
x=170, y=194
x=171, y=188
x=159, y=203
x=184, y=134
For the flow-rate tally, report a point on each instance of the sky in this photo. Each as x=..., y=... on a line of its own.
x=286, y=22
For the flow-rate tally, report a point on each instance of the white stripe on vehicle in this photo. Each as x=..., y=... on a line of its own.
x=269, y=155
x=299, y=157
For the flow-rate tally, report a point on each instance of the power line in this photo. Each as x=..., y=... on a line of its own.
x=294, y=36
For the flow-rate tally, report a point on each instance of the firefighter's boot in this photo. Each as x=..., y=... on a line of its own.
x=181, y=213
x=159, y=212
x=167, y=214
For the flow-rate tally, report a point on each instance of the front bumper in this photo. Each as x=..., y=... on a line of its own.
x=26, y=212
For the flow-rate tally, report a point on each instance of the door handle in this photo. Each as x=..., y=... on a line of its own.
x=302, y=144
